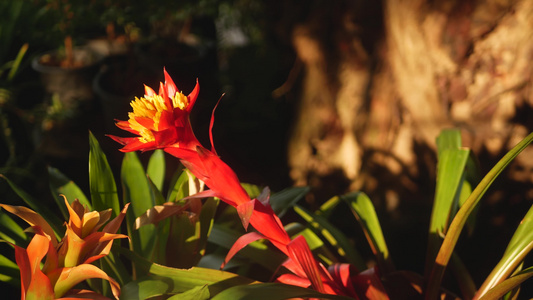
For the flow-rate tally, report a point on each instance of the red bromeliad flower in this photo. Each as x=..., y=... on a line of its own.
x=160, y=119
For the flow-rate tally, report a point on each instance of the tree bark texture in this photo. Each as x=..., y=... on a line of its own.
x=379, y=81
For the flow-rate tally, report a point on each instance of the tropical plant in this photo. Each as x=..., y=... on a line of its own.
x=180, y=236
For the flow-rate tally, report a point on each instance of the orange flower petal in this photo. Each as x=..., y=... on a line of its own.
x=64, y=279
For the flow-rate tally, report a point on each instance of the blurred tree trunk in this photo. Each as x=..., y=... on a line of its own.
x=379, y=81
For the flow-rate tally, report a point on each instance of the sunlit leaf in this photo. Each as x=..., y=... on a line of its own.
x=251, y=189
x=137, y=191
x=178, y=188
x=156, y=168
x=452, y=160
x=333, y=235
x=101, y=181
x=271, y=291
x=454, y=231
x=66, y=278
x=197, y=293
x=508, y=285
x=169, y=281
x=518, y=248
x=365, y=214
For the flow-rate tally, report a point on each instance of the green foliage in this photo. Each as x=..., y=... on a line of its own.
x=177, y=255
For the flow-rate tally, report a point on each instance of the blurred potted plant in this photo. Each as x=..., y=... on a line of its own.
x=181, y=35
x=121, y=30
x=68, y=71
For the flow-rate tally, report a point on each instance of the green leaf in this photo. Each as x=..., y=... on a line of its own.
x=251, y=189
x=328, y=207
x=60, y=184
x=9, y=271
x=207, y=220
x=169, y=281
x=11, y=231
x=271, y=291
x=156, y=168
x=452, y=160
x=365, y=214
x=101, y=181
x=287, y=198
x=38, y=207
x=508, y=285
x=182, y=243
x=333, y=235
x=518, y=248
x=454, y=231
x=179, y=188
x=197, y=293
x=137, y=191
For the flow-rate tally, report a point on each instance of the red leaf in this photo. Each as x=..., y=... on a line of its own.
x=240, y=243
x=300, y=252
x=192, y=96
x=368, y=285
x=294, y=280
x=342, y=276
x=245, y=211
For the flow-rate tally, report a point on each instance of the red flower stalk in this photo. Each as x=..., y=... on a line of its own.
x=162, y=121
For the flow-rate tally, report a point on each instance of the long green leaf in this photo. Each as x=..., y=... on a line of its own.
x=179, y=187
x=334, y=237
x=38, y=207
x=156, y=168
x=508, y=285
x=9, y=271
x=286, y=199
x=271, y=291
x=365, y=214
x=169, y=281
x=101, y=181
x=454, y=231
x=452, y=160
x=197, y=293
x=137, y=192
x=10, y=231
x=520, y=245
x=60, y=184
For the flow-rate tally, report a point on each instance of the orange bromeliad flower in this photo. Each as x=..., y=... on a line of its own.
x=68, y=261
x=160, y=119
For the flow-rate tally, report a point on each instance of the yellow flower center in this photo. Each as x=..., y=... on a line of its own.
x=151, y=107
